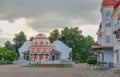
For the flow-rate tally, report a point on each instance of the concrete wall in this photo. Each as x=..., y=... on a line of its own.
x=108, y=55
x=24, y=48
x=63, y=49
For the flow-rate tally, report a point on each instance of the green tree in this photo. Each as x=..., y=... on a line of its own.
x=73, y=38
x=92, y=60
x=19, y=39
x=88, y=42
x=31, y=38
x=10, y=56
x=7, y=55
x=9, y=46
x=54, y=35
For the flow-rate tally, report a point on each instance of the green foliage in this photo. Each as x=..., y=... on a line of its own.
x=50, y=65
x=54, y=35
x=9, y=46
x=92, y=60
x=31, y=38
x=101, y=63
x=88, y=42
x=7, y=55
x=77, y=57
x=19, y=39
x=73, y=38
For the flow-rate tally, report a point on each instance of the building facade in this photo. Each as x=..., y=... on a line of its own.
x=116, y=34
x=40, y=49
x=108, y=45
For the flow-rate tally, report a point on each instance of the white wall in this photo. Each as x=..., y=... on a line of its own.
x=62, y=48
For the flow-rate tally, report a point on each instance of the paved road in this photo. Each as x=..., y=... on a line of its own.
x=80, y=70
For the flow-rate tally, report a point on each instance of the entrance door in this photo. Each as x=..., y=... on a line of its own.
x=117, y=56
x=53, y=57
x=27, y=57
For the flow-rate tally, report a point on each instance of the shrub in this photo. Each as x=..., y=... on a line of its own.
x=101, y=63
x=92, y=60
x=76, y=62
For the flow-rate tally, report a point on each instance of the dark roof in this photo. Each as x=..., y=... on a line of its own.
x=54, y=51
x=26, y=52
x=101, y=47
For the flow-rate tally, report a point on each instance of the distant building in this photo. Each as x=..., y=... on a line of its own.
x=41, y=49
x=24, y=49
x=108, y=44
x=64, y=50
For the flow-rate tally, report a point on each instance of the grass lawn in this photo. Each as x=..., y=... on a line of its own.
x=50, y=65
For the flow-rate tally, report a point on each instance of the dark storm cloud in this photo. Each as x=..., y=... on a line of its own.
x=50, y=14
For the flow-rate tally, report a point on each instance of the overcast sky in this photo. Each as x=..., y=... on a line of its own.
x=36, y=16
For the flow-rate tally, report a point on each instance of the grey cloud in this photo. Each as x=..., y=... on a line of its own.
x=4, y=37
x=63, y=10
x=1, y=30
x=3, y=40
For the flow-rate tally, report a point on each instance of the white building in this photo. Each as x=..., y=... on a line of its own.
x=63, y=49
x=57, y=46
x=24, y=48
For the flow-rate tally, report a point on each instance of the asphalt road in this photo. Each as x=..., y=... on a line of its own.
x=80, y=70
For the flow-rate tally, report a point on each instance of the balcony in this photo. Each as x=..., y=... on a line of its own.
x=117, y=33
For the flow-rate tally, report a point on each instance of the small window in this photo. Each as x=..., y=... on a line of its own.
x=108, y=13
x=32, y=54
x=108, y=39
x=36, y=54
x=41, y=54
x=116, y=26
x=108, y=25
x=117, y=56
x=46, y=54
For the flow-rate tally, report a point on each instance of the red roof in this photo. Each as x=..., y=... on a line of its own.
x=117, y=5
x=109, y=2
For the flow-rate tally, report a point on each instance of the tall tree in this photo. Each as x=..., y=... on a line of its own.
x=54, y=35
x=8, y=45
x=88, y=42
x=31, y=38
x=73, y=38
x=19, y=39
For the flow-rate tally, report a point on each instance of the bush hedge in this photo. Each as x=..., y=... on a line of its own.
x=92, y=60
